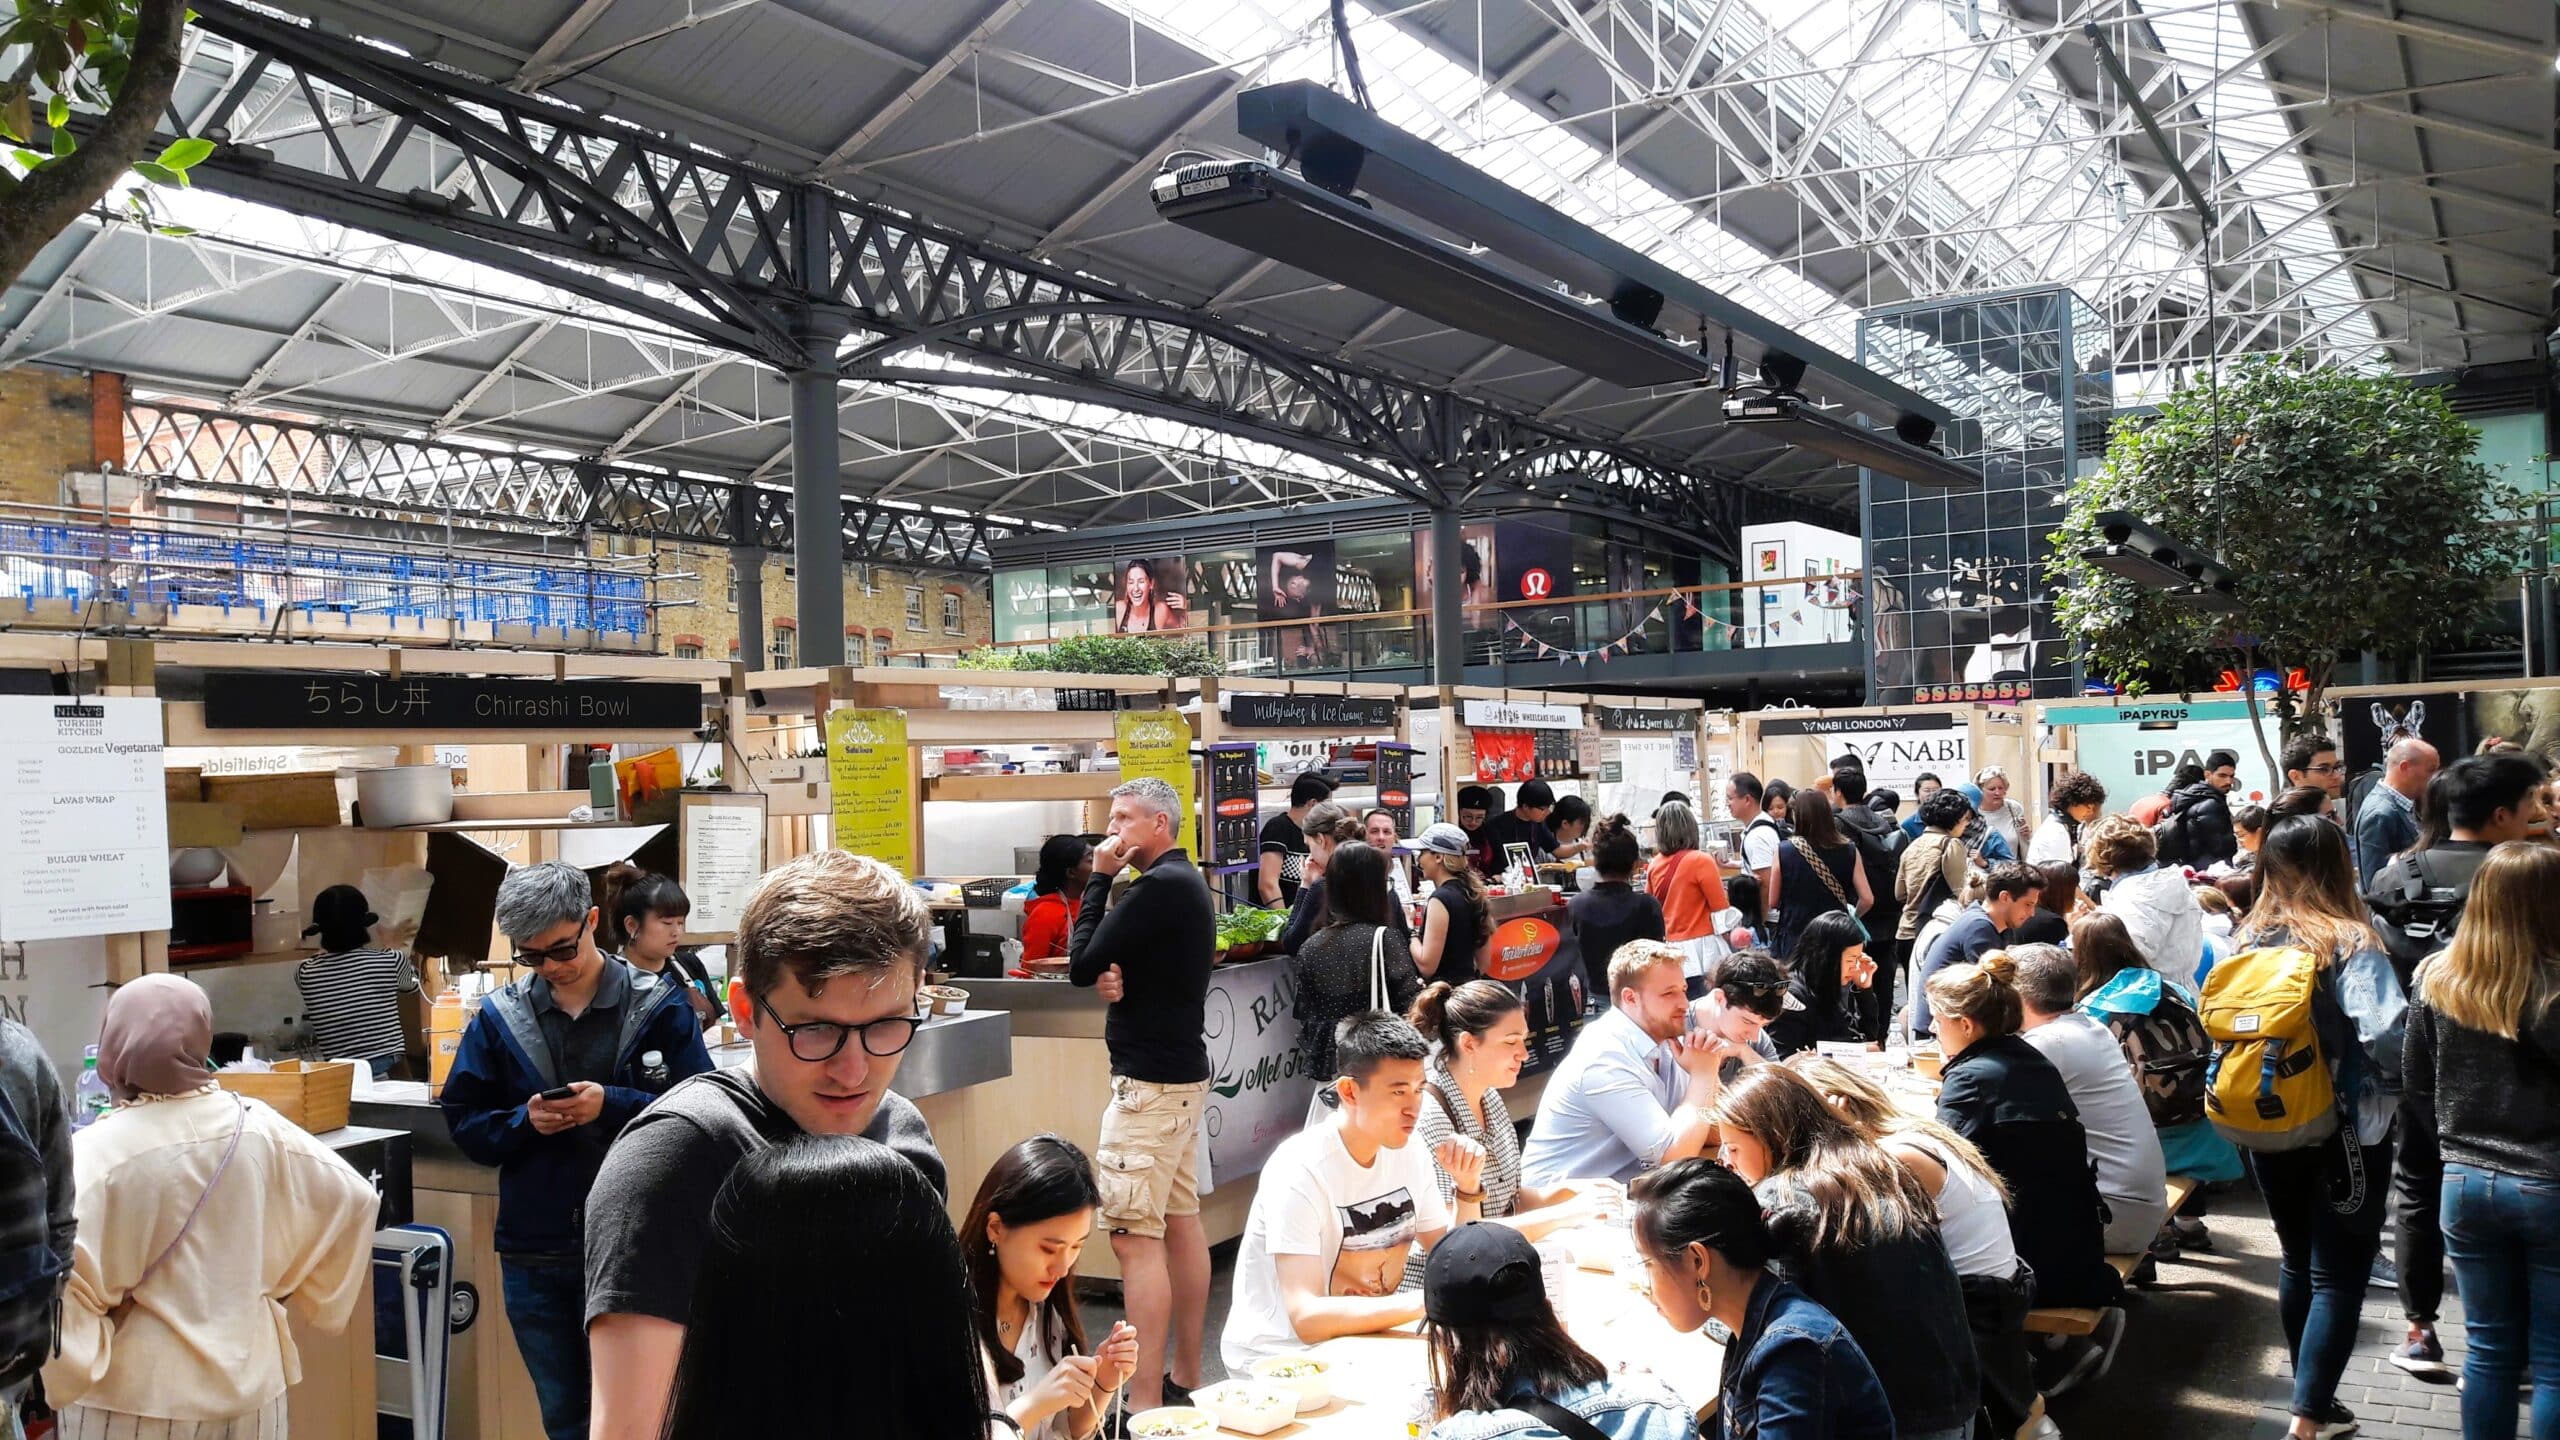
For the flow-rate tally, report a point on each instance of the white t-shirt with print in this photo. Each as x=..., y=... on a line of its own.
x=1313, y=1200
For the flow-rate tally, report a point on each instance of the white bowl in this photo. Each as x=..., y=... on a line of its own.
x=195, y=866
x=1315, y=1390
x=1248, y=1407
x=1173, y=1422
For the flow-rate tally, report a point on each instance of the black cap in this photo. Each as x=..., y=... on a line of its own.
x=1481, y=1274
x=339, y=909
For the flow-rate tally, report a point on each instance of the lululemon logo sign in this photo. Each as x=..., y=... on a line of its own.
x=1536, y=584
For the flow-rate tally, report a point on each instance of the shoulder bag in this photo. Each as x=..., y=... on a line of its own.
x=1813, y=861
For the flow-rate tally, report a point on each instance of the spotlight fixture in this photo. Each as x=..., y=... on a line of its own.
x=2140, y=553
x=1787, y=417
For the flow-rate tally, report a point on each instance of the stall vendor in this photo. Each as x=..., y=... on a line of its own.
x=351, y=990
x=1057, y=896
x=648, y=913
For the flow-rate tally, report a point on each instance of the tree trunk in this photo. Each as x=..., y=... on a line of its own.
x=48, y=200
x=2257, y=725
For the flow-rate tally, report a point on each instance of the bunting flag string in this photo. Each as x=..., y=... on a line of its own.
x=1624, y=644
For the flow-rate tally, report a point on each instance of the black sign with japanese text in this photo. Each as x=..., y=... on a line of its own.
x=1312, y=712
x=1630, y=721
x=266, y=700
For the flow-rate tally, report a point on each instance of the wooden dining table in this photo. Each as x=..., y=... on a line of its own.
x=1377, y=1380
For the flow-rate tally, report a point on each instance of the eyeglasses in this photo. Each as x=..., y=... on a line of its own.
x=819, y=1041
x=560, y=954
x=2332, y=768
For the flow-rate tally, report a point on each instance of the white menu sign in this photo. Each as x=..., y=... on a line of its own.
x=1521, y=715
x=723, y=860
x=87, y=839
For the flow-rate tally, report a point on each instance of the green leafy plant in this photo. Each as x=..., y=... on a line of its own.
x=117, y=59
x=1101, y=655
x=2348, y=508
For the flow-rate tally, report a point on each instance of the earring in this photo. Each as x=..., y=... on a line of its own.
x=1706, y=1297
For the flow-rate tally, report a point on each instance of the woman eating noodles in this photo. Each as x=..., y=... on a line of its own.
x=1021, y=1241
x=1791, y=1370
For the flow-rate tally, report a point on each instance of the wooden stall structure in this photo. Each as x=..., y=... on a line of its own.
x=1898, y=744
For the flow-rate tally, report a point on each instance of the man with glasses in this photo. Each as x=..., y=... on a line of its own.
x=1151, y=954
x=830, y=952
x=549, y=1070
x=2387, y=822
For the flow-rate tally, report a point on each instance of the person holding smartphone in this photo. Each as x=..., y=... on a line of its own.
x=548, y=1073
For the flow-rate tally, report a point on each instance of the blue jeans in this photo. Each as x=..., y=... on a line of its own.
x=2327, y=1203
x=2503, y=1232
x=547, y=1305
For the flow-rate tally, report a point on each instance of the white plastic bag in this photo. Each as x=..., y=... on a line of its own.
x=398, y=896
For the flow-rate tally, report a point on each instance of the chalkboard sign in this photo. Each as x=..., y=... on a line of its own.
x=1628, y=720
x=1395, y=784
x=1312, y=712
x=1235, y=805
x=268, y=700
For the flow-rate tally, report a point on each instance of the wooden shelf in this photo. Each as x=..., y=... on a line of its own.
x=1079, y=785
x=261, y=957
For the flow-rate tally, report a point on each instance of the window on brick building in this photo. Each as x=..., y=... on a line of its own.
x=688, y=652
x=786, y=646
x=951, y=621
x=915, y=607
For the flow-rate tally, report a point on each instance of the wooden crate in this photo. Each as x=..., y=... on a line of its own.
x=184, y=784
x=295, y=800
x=315, y=1097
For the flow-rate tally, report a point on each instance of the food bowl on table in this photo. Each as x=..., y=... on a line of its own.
x=945, y=999
x=1309, y=1375
x=1248, y=1407
x=1173, y=1422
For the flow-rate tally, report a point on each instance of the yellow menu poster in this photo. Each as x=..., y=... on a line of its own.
x=873, y=793
x=1157, y=743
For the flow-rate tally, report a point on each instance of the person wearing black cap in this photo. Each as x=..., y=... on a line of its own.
x=1525, y=823
x=1501, y=1364
x=1791, y=1370
x=351, y=990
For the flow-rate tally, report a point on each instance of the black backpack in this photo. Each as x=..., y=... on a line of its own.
x=2419, y=916
x=30, y=1273
x=2170, y=835
x=2171, y=1056
x=1880, y=852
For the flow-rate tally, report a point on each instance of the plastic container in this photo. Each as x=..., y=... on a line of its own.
x=90, y=1098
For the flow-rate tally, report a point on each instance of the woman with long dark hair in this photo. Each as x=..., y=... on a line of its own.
x=2327, y=1199
x=1357, y=949
x=1479, y=1035
x=1859, y=1233
x=2154, y=1020
x=1327, y=826
x=1818, y=872
x=1142, y=604
x=2484, y=1076
x=1022, y=1238
x=1057, y=896
x=1791, y=1370
x=644, y=915
x=1500, y=1362
x=1827, y=975
x=840, y=1237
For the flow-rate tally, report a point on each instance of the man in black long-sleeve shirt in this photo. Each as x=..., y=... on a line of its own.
x=1152, y=952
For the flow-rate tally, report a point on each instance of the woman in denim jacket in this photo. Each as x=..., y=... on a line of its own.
x=1791, y=1372
x=2327, y=1200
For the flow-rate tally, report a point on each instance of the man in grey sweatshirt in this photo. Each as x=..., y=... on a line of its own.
x=35, y=1237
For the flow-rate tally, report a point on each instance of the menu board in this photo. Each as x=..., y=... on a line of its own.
x=872, y=789
x=1156, y=744
x=723, y=857
x=1235, y=804
x=1395, y=784
x=87, y=850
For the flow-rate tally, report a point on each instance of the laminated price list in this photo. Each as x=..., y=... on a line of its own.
x=87, y=835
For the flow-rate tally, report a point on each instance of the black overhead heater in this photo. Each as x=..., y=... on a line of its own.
x=1270, y=212
x=1320, y=225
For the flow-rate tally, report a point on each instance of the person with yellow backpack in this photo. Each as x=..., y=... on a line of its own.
x=2306, y=1021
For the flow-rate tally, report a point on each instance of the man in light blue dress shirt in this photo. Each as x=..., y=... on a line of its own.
x=1637, y=1090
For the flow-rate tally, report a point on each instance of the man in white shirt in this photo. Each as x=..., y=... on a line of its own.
x=1761, y=835
x=1638, y=1088
x=2122, y=1143
x=1340, y=1206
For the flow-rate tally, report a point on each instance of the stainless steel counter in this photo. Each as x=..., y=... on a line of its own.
x=947, y=1054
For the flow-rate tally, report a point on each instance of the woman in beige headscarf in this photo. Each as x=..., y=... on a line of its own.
x=204, y=1216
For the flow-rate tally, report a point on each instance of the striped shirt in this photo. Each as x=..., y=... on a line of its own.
x=1499, y=1137
x=352, y=1001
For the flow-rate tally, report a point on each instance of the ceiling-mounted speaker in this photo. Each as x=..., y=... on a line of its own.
x=1917, y=430
x=1783, y=372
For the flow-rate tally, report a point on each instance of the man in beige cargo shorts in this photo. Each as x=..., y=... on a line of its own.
x=1151, y=955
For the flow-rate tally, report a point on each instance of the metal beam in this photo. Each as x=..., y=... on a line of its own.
x=896, y=106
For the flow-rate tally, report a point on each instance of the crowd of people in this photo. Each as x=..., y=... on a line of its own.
x=2221, y=991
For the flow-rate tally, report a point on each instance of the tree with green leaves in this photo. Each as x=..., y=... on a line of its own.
x=115, y=60
x=2347, y=507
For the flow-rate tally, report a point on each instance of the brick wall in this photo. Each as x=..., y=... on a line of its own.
x=712, y=622
x=46, y=416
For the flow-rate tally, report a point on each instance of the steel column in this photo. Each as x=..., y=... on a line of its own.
x=746, y=569
x=1448, y=614
x=817, y=517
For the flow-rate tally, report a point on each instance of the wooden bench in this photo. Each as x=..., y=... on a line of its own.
x=2080, y=1320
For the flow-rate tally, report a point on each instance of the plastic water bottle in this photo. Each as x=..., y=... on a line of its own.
x=90, y=1098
